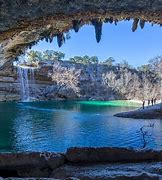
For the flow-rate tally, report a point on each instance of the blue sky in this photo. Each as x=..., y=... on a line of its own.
x=117, y=41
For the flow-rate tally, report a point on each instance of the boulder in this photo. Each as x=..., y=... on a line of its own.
x=112, y=155
x=30, y=164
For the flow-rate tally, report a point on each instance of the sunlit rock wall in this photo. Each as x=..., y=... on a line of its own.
x=94, y=82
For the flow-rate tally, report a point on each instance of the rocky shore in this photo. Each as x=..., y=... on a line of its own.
x=151, y=112
x=83, y=163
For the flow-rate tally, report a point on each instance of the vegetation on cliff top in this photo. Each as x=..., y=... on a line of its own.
x=154, y=65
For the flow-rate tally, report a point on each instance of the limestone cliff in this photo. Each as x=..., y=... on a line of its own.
x=66, y=80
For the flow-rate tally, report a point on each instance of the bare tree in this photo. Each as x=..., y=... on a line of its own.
x=65, y=78
x=146, y=132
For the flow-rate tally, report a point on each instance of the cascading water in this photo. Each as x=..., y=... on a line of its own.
x=26, y=88
x=32, y=83
x=26, y=78
x=24, y=83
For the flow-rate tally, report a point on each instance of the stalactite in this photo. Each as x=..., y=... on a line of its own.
x=128, y=18
x=98, y=28
x=135, y=25
x=111, y=20
x=51, y=37
x=108, y=20
x=30, y=46
x=116, y=21
x=142, y=23
x=60, y=39
x=76, y=25
x=46, y=38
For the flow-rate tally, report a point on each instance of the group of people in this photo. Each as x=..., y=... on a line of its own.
x=150, y=102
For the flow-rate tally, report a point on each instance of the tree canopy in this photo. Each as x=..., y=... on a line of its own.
x=45, y=55
x=85, y=59
x=154, y=65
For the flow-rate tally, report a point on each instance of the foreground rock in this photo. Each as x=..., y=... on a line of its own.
x=152, y=112
x=83, y=164
x=113, y=155
x=142, y=171
x=29, y=164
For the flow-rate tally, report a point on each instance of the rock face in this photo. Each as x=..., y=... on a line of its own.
x=152, y=112
x=114, y=155
x=25, y=22
x=83, y=163
x=81, y=82
x=142, y=171
x=30, y=165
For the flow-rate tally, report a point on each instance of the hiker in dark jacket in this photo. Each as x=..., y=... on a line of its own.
x=143, y=104
x=152, y=101
x=148, y=102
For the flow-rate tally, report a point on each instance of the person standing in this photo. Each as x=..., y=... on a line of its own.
x=152, y=101
x=148, y=102
x=143, y=104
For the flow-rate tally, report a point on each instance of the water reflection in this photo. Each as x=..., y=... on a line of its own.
x=57, y=125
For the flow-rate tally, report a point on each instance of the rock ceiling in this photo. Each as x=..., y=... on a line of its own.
x=24, y=22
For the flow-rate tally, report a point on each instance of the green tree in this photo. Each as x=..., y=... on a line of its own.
x=94, y=60
x=84, y=60
x=53, y=55
x=34, y=56
x=48, y=55
x=76, y=59
x=109, y=62
x=125, y=64
x=59, y=55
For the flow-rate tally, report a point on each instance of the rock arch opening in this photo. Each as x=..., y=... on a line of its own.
x=25, y=22
x=106, y=79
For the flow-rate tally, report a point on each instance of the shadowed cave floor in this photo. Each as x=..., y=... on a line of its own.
x=104, y=171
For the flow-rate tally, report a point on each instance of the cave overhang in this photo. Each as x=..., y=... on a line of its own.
x=24, y=22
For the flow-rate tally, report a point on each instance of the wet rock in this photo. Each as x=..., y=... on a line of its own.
x=31, y=164
x=105, y=171
x=111, y=155
x=34, y=172
x=56, y=160
x=71, y=178
x=14, y=178
x=154, y=112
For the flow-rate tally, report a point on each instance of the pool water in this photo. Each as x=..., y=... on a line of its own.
x=57, y=125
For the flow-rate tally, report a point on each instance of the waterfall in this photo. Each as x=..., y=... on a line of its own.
x=32, y=82
x=26, y=88
x=24, y=83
